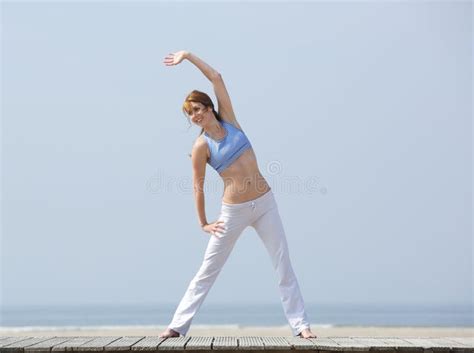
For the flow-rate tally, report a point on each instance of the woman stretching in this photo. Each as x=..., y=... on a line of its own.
x=247, y=201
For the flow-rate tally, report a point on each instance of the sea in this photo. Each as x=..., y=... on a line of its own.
x=107, y=316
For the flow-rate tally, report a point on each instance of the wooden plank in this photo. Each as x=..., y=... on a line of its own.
x=73, y=342
x=251, y=343
x=123, y=344
x=149, y=343
x=96, y=344
x=300, y=343
x=45, y=346
x=327, y=344
x=348, y=344
x=199, y=343
x=467, y=341
x=447, y=344
x=276, y=343
x=18, y=347
x=427, y=345
x=374, y=343
x=444, y=342
x=174, y=343
x=225, y=343
x=11, y=340
x=400, y=344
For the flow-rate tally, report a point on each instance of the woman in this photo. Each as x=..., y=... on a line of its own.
x=247, y=201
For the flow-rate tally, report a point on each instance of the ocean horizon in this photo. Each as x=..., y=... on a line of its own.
x=122, y=316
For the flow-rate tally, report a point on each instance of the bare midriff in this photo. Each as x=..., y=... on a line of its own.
x=243, y=180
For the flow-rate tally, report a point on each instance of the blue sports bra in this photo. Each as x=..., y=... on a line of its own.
x=226, y=150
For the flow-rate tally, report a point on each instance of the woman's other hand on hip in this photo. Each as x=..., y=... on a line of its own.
x=215, y=227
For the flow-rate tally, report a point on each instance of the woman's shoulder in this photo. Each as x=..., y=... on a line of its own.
x=200, y=146
x=200, y=141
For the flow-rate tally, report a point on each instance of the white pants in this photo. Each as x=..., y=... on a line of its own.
x=262, y=214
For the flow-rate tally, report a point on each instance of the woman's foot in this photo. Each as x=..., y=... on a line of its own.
x=169, y=333
x=306, y=333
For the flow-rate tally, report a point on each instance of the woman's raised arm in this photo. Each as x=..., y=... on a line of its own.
x=224, y=103
x=176, y=58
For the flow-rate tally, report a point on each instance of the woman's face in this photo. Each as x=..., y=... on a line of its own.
x=199, y=114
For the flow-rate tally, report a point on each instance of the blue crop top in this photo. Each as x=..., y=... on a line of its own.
x=226, y=150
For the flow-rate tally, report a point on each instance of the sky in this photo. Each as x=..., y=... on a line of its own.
x=360, y=114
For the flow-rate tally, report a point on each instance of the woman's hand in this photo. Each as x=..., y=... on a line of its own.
x=214, y=227
x=175, y=58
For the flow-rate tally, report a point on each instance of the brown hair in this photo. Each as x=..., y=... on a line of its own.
x=198, y=97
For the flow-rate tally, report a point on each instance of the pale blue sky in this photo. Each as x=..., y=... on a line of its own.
x=360, y=114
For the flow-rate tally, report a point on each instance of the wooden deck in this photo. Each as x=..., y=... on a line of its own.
x=48, y=344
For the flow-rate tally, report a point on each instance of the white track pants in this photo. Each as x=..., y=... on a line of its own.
x=262, y=214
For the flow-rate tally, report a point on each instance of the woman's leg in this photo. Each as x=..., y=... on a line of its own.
x=270, y=229
x=217, y=252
